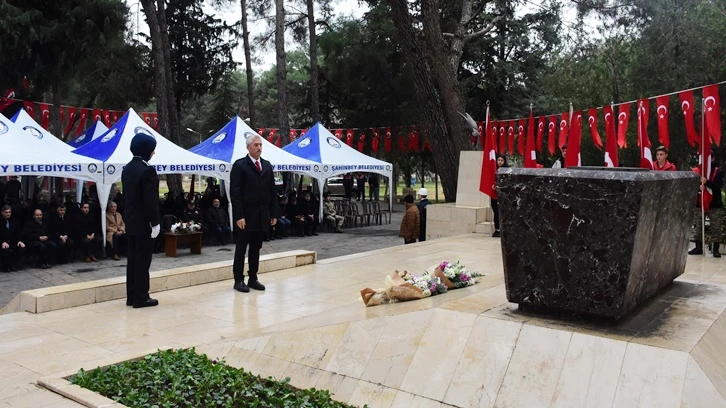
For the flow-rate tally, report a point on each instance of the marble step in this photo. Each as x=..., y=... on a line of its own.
x=485, y=227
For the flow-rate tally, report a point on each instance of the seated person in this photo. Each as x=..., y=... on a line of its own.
x=308, y=210
x=284, y=225
x=11, y=247
x=60, y=230
x=329, y=213
x=218, y=221
x=86, y=233
x=297, y=220
x=191, y=213
x=35, y=233
x=115, y=230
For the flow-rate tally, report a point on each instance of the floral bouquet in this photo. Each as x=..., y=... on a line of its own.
x=403, y=286
x=185, y=227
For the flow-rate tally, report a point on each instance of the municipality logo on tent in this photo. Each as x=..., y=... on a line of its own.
x=141, y=129
x=250, y=134
x=3, y=128
x=110, y=135
x=80, y=139
x=334, y=142
x=305, y=142
x=33, y=131
x=221, y=137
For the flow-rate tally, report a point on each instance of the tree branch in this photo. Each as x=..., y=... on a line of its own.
x=473, y=16
x=484, y=31
x=448, y=35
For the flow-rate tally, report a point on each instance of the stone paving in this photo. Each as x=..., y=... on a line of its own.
x=327, y=245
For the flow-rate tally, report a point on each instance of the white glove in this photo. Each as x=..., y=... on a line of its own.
x=155, y=231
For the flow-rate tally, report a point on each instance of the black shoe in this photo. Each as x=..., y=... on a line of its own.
x=698, y=250
x=339, y=230
x=716, y=254
x=315, y=234
x=241, y=287
x=129, y=302
x=147, y=303
x=256, y=285
x=496, y=234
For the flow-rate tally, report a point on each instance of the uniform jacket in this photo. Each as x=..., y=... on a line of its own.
x=422, y=218
x=410, y=223
x=253, y=194
x=141, y=197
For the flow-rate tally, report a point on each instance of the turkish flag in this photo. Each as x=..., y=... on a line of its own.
x=338, y=133
x=376, y=141
x=574, y=158
x=115, y=115
x=107, y=118
x=71, y=119
x=261, y=131
x=482, y=135
x=29, y=108
x=689, y=109
x=44, y=115
x=644, y=106
x=502, y=137
x=530, y=157
x=712, y=109
x=662, y=112
x=623, y=119
x=488, y=179
x=361, y=141
x=271, y=135
x=278, y=142
x=349, y=137
x=387, y=142
x=540, y=133
x=592, y=122
x=494, y=129
x=510, y=135
x=292, y=135
x=62, y=116
x=520, y=137
x=302, y=133
x=82, y=121
x=611, y=139
x=96, y=115
x=551, y=127
x=646, y=157
x=155, y=119
x=401, y=143
x=564, y=129
x=147, y=119
x=7, y=99
x=413, y=139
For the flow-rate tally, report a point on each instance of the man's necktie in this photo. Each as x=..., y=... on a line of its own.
x=259, y=168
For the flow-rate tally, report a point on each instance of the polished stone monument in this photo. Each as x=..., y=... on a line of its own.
x=593, y=241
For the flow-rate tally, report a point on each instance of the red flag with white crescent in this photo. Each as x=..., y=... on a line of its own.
x=530, y=157
x=646, y=157
x=564, y=129
x=71, y=119
x=271, y=135
x=115, y=116
x=388, y=140
x=96, y=115
x=82, y=121
x=704, y=167
x=62, y=116
x=494, y=129
x=293, y=135
x=338, y=133
x=261, y=131
x=401, y=143
x=155, y=120
x=413, y=139
x=662, y=112
x=278, y=141
x=29, y=108
x=592, y=122
x=482, y=134
x=510, y=135
x=349, y=137
x=361, y=141
x=574, y=140
x=503, y=137
x=302, y=133
x=689, y=110
x=44, y=115
x=520, y=137
x=551, y=135
x=540, y=133
x=623, y=119
x=147, y=119
x=7, y=99
x=488, y=178
x=375, y=143
x=107, y=117
x=611, y=138
x=712, y=109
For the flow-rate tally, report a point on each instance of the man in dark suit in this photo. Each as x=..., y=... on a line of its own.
x=141, y=203
x=254, y=208
x=36, y=234
x=86, y=234
x=11, y=247
x=60, y=231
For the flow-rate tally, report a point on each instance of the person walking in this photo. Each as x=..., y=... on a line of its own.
x=254, y=209
x=410, y=222
x=143, y=218
x=422, y=204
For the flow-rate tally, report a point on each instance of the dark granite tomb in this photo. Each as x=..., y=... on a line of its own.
x=595, y=241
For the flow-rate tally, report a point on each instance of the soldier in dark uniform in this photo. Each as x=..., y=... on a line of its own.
x=141, y=203
x=254, y=208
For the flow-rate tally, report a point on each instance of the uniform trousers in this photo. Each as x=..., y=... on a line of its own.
x=139, y=252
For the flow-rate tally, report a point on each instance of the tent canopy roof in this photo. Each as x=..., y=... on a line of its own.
x=92, y=133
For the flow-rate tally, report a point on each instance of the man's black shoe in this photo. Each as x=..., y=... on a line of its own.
x=148, y=303
x=339, y=230
x=256, y=285
x=129, y=302
x=496, y=234
x=241, y=287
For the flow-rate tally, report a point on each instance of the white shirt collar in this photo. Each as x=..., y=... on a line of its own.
x=254, y=161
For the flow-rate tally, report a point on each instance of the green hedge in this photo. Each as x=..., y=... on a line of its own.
x=183, y=378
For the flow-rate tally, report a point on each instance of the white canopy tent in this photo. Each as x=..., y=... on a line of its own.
x=26, y=149
x=92, y=133
x=113, y=149
x=321, y=146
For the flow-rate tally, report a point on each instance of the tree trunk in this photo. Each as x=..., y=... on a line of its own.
x=57, y=127
x=248, y=65
x=314, y=87
x=281, y=71
x=445, y=150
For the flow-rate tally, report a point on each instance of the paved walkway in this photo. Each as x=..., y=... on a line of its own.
x=327, y=245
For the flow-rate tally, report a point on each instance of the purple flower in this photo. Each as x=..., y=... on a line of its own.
x=464, y=277
x=443, y=265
